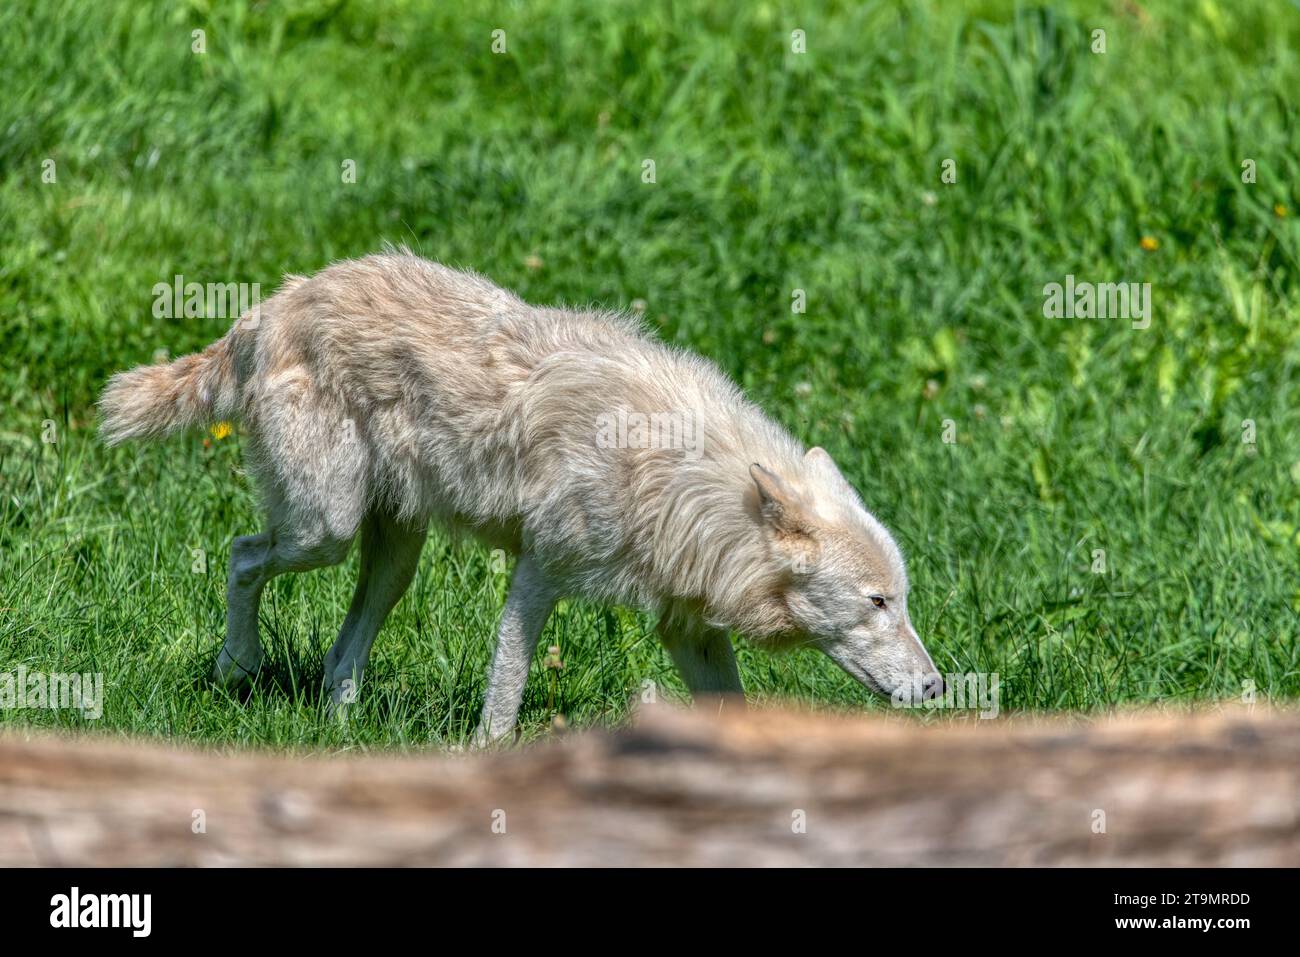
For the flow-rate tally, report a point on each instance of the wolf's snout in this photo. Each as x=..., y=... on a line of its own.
x=917, y=688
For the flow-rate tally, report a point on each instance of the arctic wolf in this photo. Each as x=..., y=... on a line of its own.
x=388, y=393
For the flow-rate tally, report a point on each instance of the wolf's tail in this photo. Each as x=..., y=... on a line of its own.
x=150, y=402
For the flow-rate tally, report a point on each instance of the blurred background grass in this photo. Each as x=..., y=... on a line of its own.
x=775, y=171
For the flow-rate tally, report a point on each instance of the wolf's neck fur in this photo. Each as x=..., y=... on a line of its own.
x=649, y=524
x=709, y=544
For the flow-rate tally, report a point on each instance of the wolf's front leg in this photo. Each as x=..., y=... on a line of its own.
x=703, y=655
x=528, y=605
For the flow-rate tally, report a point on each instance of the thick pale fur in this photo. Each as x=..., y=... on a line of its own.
x=394, y=390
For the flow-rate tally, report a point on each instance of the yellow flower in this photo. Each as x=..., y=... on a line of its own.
x=1150, y=243
x=220, y=430
x=1279, y=210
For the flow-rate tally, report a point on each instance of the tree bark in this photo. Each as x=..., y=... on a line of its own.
x=683, y=789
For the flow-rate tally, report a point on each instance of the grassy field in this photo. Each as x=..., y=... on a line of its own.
x=1174, y=449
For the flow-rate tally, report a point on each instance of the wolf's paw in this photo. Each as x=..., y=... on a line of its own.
x=484, y=740
x=231, y=674
x=343, y=694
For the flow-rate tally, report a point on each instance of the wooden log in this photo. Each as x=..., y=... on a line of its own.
x=683, y=788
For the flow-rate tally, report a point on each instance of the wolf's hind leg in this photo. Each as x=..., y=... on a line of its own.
x=529, y=604
x=254, y=561
x=312, y=466
x=241, y=654
x=390, y=553
x=703, y=655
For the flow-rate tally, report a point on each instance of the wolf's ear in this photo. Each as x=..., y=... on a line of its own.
x=820, y=459
x=778, y=503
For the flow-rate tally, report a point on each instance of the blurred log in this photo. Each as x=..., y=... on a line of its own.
x=681, y=788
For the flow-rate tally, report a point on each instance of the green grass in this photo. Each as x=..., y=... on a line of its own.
x=775, y=171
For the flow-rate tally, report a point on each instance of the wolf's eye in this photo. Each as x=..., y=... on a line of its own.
x=878, y=601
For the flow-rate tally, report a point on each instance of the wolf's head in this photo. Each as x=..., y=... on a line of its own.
x=846, y=587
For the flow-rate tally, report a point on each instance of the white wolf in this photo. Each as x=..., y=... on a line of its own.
x=386, y=393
